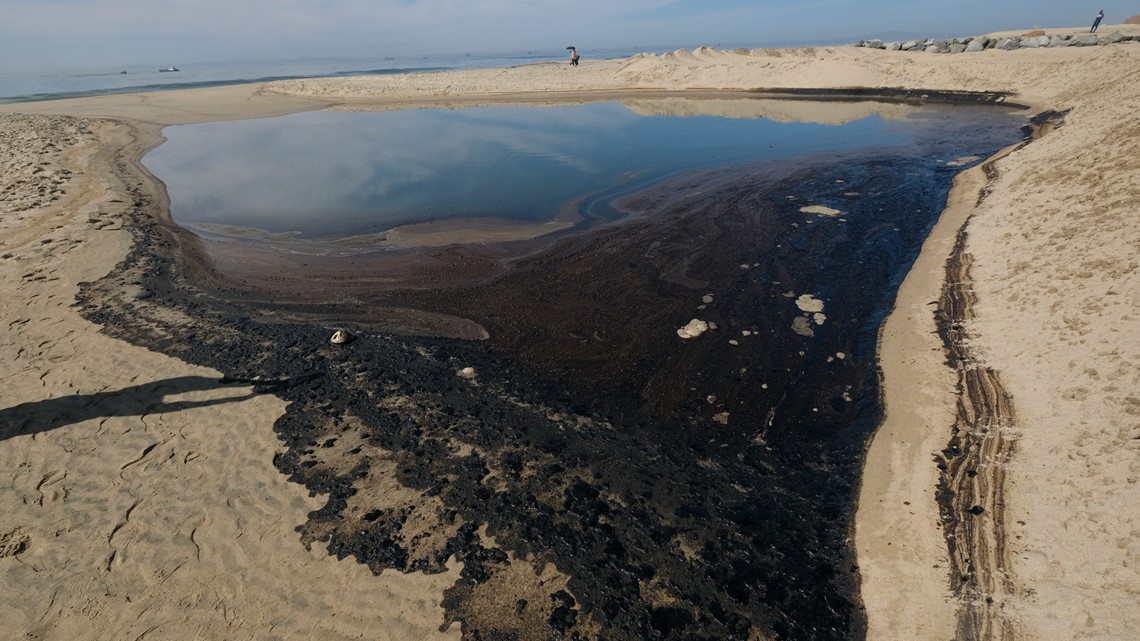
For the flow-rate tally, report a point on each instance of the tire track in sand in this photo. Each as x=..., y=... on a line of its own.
x=971, y=493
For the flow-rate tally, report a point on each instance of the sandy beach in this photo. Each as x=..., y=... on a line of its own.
x=142, y=500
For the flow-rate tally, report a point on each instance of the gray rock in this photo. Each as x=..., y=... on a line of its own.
x=1115, y=37
x=874, y=44
x=910, y=45
x=974, y=46
x=893, y=46
x=1009, y=44
x=1059, y=41
x=1086, y=41
x=932, y=49
x=956, y=48
x=991, y=43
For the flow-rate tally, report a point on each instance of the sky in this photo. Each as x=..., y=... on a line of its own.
x=46, y=35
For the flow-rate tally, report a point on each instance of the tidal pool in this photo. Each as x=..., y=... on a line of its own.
x=662, y=485
x=323, y=175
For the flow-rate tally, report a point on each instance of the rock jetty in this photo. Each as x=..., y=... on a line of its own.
x=1031, y=40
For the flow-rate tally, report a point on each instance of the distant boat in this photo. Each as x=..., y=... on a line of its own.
x=169, y=68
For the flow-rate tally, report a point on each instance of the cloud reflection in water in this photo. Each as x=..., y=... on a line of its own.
x=328, y=174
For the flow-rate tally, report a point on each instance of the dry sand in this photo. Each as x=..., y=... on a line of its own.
x=137, y=513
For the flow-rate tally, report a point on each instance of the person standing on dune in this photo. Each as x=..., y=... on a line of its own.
x=1096, y=21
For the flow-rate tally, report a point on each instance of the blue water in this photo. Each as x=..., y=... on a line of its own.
x=336, y=174
x=22, y=88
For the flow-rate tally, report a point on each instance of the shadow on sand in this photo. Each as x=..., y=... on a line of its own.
x=137, y=400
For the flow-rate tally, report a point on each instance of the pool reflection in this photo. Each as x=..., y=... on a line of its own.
x=335, y=174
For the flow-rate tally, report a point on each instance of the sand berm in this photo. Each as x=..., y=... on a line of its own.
x=143, y=503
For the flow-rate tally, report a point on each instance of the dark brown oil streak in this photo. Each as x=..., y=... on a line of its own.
x=972, y=489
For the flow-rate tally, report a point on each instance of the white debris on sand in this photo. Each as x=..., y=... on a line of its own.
x=341, y=337
x=466, y=372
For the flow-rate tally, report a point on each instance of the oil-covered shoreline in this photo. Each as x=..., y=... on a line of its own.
x=596, y=474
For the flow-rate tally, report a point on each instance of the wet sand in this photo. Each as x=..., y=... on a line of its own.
x=410, y=376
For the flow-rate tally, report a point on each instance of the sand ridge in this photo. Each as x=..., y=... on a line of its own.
x=1053, y=246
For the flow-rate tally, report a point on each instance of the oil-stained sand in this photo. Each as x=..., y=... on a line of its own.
x=597, y=475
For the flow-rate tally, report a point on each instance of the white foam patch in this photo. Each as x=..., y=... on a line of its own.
x=810, y=304
x=821, y=210
x=964, y=160
x=695, y=328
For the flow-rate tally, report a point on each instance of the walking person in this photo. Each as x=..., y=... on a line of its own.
x=573, y=57
x=1096, y=21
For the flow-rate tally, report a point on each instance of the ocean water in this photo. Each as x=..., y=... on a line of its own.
x=140, y=78
x=336, y=174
